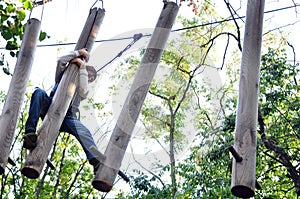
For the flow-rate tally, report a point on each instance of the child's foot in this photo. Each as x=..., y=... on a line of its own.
x=95, y=163
x=30, y=140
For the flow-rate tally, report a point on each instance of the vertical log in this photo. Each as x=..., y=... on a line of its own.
x=243, y=173
x=49, y=129
x=17, y=88
x=120, y=137
x=90, y=29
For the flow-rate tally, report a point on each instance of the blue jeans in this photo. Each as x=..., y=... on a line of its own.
x=39, y=105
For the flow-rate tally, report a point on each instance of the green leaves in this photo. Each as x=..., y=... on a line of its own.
x=12, y=24
x=10, y=8
x=11, y=28
x=6, y=34
x=71, y=178
x=11, y=45
x=21, y=15
x=43, y=36
x=27, y=4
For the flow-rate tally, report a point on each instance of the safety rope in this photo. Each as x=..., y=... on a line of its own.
x=36, y=4
x=95, y=4
x=136, y=37
x=31, y=10
x=43, y=10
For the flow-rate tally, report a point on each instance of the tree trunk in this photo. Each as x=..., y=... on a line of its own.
x=17, y=88
x=172, y=153
x=49, y=130
x=120, y=137
x=243, y=173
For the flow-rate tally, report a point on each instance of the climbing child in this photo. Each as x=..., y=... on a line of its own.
x=40, y=103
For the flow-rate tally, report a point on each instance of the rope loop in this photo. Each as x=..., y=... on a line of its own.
x=36, y=4
x=95, y=4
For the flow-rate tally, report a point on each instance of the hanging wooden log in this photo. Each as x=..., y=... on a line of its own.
x=243, y=172
x=120, y=137
x=49, y=129
x=17, y=88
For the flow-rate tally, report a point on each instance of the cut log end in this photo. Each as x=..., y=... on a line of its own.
x=242, y=191
x=30, y=173
x=1, y=170
x=101, y=186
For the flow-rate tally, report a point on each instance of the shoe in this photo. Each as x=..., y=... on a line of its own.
x=30, y=140
x=95, y=163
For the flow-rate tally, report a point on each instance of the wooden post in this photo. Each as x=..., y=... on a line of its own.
x=243, y=172
x=17, y=88
x=61, y=101
x=120, y=137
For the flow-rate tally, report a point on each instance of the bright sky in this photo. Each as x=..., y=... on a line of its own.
x=63, y=20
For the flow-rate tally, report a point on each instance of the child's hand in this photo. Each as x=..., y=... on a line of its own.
x=79, y=62
x=84, y=54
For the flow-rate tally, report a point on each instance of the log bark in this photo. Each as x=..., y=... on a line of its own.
x=15, y=96
x=49, y=129
x=120, y=137
x=243, y=172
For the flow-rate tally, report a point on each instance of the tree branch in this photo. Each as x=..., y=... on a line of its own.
x=282, y=155
x=75, y=178
x=238, y=38
x=294, y=53
x=156, y=176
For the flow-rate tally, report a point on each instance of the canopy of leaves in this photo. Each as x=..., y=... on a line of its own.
x=12, y=22
x=13, y=16
x=205, y=171
x=71, y=178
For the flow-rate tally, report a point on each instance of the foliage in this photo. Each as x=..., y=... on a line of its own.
x=12, y=27
x=144, y=186
x=206, y=172
x=180, y=97
x=71, y=178
x=198, y=7
x=205, y=169
x=279, y=105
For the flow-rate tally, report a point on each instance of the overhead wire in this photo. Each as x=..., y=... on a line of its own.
x=235, y=18
x=138, y=36
x=176, y=30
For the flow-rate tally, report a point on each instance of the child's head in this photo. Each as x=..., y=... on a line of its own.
x=92, y=73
